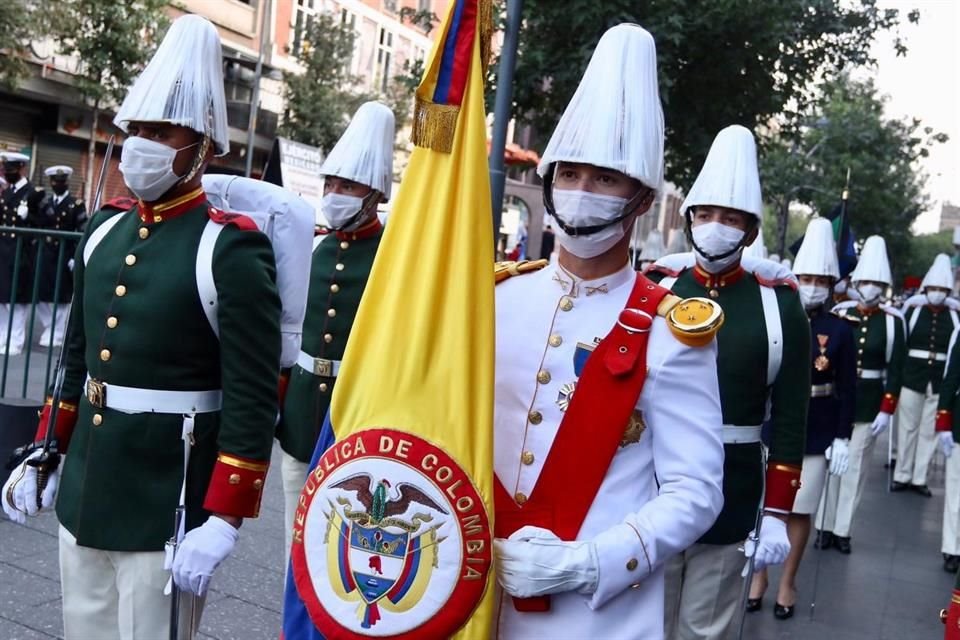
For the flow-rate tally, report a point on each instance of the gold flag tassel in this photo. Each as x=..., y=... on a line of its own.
x=434, y=125
x=485, y=18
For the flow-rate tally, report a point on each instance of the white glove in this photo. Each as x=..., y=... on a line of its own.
x=773, y=546
x=838, y=454
x=23, y=210
x=535, y=562
x=19, y=494
x=880, y=423
x=201, y=552
x=70, y=264
x=945, y=442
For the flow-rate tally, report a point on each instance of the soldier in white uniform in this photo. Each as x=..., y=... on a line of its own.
x=596, y=490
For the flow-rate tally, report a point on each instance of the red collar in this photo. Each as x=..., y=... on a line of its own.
x=867, y=311
x=362, y=233
x=158, y=212
x=717, y=280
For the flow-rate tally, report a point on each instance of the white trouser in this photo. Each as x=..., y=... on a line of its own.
x=917, y=440
x=812, y=478
x=18, y=328
x=294, y=474
x=843, y=495
x=702, y=591
x=118, y=595
x=950, y=542
x=45, y=315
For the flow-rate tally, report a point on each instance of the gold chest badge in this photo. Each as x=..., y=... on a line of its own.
x=635, y=428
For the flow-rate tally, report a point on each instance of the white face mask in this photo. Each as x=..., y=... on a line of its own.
x=716, y=238
x=936, y=298
x=147, y=167
x=812, y=296
x=584, y=209
x=339, y=209
x=869, y=294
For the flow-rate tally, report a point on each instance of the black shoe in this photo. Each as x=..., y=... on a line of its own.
x=824, y=540
x=781, y=612
x=754, y=604
x=842, y=544
x=951, y=564
x=898, y=486
x=922, y=489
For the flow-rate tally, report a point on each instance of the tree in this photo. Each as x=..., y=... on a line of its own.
x=923, y=249
x=113, y=40
x=720, y=62
x=19, y=23
x=849, y=131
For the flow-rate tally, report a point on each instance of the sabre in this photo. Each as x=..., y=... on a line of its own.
x=823, y=518
x=755, y=539
x=49, y=458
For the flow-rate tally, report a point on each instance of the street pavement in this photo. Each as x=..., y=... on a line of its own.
x=890, y=588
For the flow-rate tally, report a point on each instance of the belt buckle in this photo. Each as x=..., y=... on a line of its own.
x=323, y=367
x=96, y=393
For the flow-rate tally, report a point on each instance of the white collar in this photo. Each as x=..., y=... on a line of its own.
x=20, y=184
x=575, y=286
x=58, y=199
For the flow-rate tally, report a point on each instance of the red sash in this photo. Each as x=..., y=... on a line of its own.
x=590, y=432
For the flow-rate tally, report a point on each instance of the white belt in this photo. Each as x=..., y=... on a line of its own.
x=870, y=374
x=735, y=434
x=927, y=355
x=318, y=366
x=133, y=400
x=821, y=390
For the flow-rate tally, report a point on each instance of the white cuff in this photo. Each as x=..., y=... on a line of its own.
x=624, y=559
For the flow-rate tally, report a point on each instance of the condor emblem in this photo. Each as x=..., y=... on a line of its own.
x=391, y=539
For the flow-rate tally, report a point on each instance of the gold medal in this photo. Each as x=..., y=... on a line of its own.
x=822, y=363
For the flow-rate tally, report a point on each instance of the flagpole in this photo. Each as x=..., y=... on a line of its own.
x=841, y=246
x=501, y=112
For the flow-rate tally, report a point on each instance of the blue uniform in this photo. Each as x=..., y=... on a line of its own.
x=831, y=416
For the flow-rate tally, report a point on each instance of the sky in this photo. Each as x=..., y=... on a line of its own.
x=926, y=84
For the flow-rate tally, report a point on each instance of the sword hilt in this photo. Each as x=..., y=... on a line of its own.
x=45, y=464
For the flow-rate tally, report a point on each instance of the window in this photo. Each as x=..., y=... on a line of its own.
x=303, y=14
x=423, y=5
x=384, y=57
x=390, y=5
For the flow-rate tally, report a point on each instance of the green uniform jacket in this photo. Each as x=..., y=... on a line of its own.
x=744, y=391
x=931, y=333
x=875, y=394
x=338, y=275
x=948, y=405
x=137, y=322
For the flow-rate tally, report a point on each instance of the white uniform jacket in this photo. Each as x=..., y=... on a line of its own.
x=666, y=487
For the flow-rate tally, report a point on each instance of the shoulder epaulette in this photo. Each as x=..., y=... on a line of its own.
x=854, y=320
x=663, y=270
x=776, y=282
x=322, y=231
x=38, y=188
x=693, y=321
x=120, y=203
x=504, y=270
x=233, y=219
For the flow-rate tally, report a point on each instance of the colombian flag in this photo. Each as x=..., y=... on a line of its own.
x=392, y=536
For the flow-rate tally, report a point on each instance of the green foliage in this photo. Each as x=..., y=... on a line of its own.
x=114, y=40
x=849, y=131
x=720, y=62
x=19, y=22
x=423, y=19
x=922, y=250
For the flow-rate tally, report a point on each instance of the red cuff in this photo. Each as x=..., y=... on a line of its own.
x=282, y=384
x=783, y=482
x=944, y=420
x=236, y=486
x=952, y=621
x=66, y=421
x=889, y=404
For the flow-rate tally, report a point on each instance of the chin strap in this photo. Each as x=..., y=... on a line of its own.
x=573, y=231
x=712, y=258
x=198, y=159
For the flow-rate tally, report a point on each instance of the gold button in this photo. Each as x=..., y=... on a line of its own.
x=112, y=322
x=632, y=564
x=543, y=377
x=144, y=233
x=332, y=313
x=158, y=218
x=234, y=478
x=344, y=245
x=535, y=417
x=714, y=294
x=120, y=290
x=328, y=338
x=794, y=483
x=566, y=304
x=130, y=260
x=519, y=498
x=339, y=266
x=105, y=355
x=862, y=340
x=527, y=457
x=258, y=484
x=97, y=419
x=335, y=287
x=555, y=340
x=323, y=387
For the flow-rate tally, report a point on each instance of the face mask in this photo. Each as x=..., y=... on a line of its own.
x=716, y=239
x=840, y=288
x=870, y=294
x=147, y=167
x=584, y=209
x=812, y=296
x=936, y=298
x=340, y=210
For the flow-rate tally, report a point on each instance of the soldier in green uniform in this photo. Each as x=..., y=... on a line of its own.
x=947, y=427
x=880, y=353
x=763, y=366
x=162, y=403
x=358, y=176
x=930, y=322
